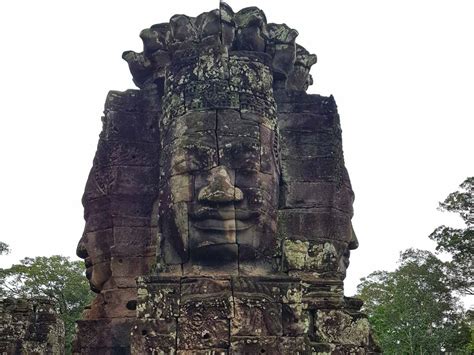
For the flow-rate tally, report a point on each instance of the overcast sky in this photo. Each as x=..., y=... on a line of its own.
x=402, y=73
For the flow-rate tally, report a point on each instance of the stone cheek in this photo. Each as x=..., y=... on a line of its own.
x=319, y=258
x=295, y=253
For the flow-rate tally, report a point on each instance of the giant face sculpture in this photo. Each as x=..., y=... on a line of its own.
x=220, y=192
x=220, y=171
x=207, y=110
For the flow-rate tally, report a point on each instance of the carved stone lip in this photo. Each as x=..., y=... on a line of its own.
x=228, y=225
x=222, y=214
x=89, y=273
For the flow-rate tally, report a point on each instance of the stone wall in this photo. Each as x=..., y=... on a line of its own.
x=30, y=326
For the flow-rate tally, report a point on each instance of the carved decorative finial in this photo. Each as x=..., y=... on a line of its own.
x=245, y=30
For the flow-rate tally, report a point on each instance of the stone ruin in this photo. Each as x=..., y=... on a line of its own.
x=219, y=187
x=30, y=326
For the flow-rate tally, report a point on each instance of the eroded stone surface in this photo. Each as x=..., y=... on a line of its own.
x=30, y=326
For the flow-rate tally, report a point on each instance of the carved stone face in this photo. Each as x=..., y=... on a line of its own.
x=219, y=190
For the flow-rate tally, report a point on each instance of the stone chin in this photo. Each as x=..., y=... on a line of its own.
x=98, y=271
x=98, y=275
x=214, y=232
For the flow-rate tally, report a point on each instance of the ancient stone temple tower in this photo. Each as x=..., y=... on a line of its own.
x=221, y=185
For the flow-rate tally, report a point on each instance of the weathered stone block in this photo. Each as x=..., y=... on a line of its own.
x=336, y=326
x=229, y=123
x=255, y=315
x=214, y=260
x=189, y=123
x=323, y=293
x=242, y=154
x=307, y=122
x=152, y=344
x=97, y=214
x=130, y=127
x=158, y=298
x=311, y=169
x=98, y=243
x=312, y=256
x=30, y=326
x=200, y=331
x=129, y=100
x=193, y=152
x=296, y=194
x=274, y=288
x=132, y=266
x=131, y=206
x=103, y=335
x=116, y=301
x=314, y=224
x=203, y=352
x=134, y=180
x=117, y=153
x=133, y=241
x=205, y=309
x=269, y=345
x=295, y=319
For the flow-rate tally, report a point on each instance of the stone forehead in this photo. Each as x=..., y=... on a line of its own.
x=210, y=79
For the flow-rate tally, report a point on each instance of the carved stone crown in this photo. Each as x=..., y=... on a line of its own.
x=247, y=30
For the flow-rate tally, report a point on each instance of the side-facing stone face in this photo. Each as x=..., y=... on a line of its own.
x=227, y=174
x=30, y=326
x=119, y=239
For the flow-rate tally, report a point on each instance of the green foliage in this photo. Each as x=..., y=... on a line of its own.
x=412, y=310
x=4, y=248
x=459, y=242
x=55, y=277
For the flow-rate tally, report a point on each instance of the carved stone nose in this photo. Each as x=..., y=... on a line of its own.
x=220, y=188
x=354, y=242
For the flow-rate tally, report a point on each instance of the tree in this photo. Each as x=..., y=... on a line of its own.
x=459, y=242
x=412, y=310
x=4, y=248
x=55, y=277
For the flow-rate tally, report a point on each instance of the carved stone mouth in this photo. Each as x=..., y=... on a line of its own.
x=89, y=273
x=225, y=225
x=89, y=267
x=222, y=214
